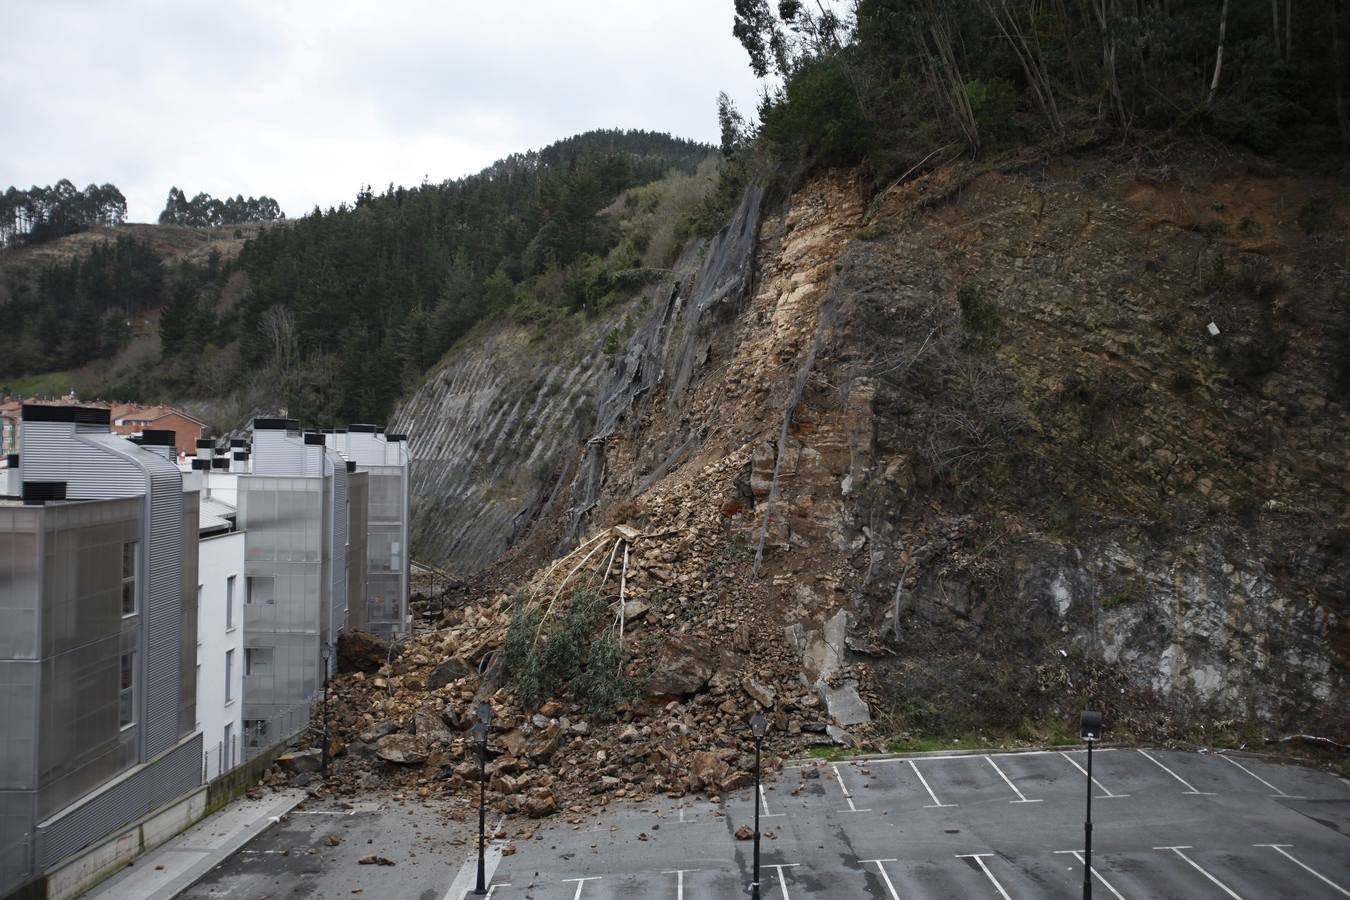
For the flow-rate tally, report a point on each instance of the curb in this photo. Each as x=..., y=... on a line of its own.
x=221, y=849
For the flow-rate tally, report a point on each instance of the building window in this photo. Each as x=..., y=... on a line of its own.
x=131, y=552
x=229, y=675
x=229, y=602
x=258, y=661
x=127, y=696
x=227, y=747
x=255, y=732
x=261, y=590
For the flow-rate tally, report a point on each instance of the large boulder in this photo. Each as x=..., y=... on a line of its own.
x=682, y=667
x=377, y=731
x=845, y=706
x=706, y=771
x=361, y=651
x=403, y=749
x=310, y=760
x=428, y=724
x=539, y=802
x=452, y=670
x=761, y=693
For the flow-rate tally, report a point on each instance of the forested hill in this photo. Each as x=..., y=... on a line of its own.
x=335, y=314
x=373, y=294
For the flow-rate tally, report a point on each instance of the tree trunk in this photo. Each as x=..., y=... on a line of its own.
x=1218, y=57
x=1101, y=11
x=1338, y=64
x=1275, y=26
x=1288, y=29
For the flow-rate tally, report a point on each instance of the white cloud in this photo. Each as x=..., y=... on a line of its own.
x=306, y=101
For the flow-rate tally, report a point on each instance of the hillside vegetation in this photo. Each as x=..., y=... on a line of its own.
x=335, y=315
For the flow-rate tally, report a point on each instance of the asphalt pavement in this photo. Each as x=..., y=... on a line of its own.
x=1002, y=826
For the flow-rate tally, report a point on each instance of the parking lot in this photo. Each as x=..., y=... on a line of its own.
x=1004, y=826
x=1167, y=825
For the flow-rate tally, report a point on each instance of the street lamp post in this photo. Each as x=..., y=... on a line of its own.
x=1090, y=729
x=480, y=732
x=758, y=724
x=323, y=757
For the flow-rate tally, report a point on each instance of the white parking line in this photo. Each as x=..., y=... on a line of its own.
x=679, y=881
x=1106, y=795
x=1008, y=781
x=782, y=881
x=1278, y=792
x=467, y=875
x=1219, y=884
x=924, y=781
x=1189, y=788
x=1279, y=848
x=847, y=796
x=1078, y=855
x=581, y=883
x=323, y=812
x=493, y=887
x=884, y=877
x=764, y=804
x=985, y=869
x=940, y=756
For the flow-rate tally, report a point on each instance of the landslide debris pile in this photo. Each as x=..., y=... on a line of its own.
x=695, y=667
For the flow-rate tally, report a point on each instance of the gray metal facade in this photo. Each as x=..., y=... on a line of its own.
x=386, y=461
x=79, y=755
x=98, y=465
x=286, y=591
x=294, y=510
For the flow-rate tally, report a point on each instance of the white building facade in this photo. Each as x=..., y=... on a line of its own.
x=220, y=650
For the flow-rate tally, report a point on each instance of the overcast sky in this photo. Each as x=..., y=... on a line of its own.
x=305, y=101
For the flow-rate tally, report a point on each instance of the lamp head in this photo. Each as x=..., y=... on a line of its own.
x=758, y=724
x=1090, y=725
x=485, y=712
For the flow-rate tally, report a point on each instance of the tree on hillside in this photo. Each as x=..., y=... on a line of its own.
x=899, y=79
x=43, y=213
x=205, y=211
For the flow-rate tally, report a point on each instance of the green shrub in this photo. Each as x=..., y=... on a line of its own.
x=578, y=650
x=818, y=118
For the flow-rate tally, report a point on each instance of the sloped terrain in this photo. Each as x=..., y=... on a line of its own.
x=960, y=461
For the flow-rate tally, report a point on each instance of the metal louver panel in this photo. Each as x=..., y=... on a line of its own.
x=163, y=612
x=157, y=783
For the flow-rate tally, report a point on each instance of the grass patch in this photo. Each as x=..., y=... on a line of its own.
x=830, y=754
x=933, y=744
x=48, y=384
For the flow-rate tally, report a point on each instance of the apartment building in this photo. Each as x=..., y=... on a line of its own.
x=98, y=625
x=295, y=509
x=386, y=459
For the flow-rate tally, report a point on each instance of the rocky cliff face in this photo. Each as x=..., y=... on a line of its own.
x=1002, y=443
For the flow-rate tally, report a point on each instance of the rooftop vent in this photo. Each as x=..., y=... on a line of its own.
x=79, y=415
x=39, y=492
